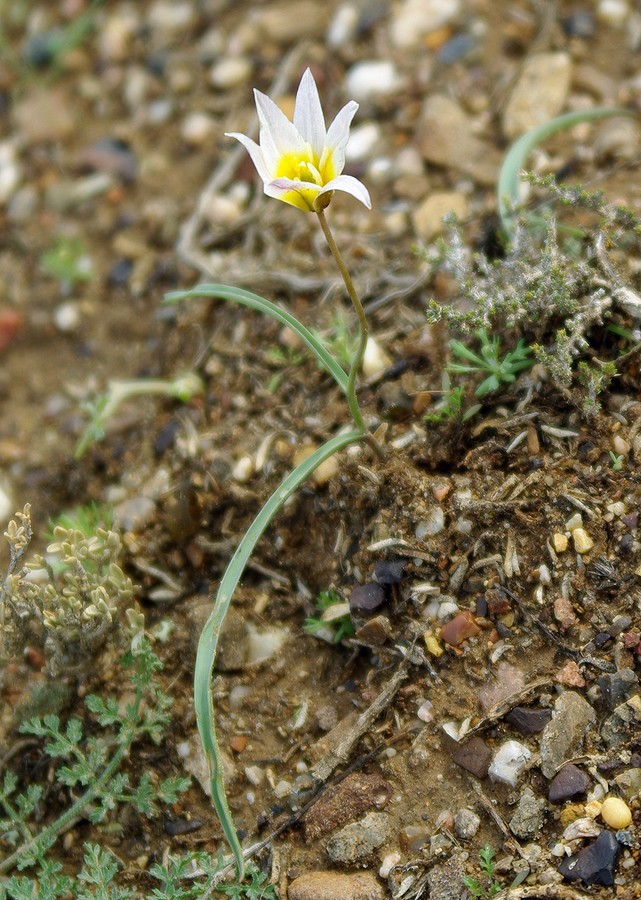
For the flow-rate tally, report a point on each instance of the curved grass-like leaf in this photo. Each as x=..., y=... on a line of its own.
x=258, y=303
x=514, y=162
x=208, y=642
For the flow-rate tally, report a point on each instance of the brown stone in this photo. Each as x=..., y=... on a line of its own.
x=474, y=756
x=344, y=803
x=335, y=886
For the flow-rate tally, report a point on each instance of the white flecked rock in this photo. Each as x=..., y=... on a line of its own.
x=509, y=762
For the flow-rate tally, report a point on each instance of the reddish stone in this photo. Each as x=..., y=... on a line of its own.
x=238, y=743
x=459, y=629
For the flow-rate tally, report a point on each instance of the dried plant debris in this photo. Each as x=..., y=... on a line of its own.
x=69, y=600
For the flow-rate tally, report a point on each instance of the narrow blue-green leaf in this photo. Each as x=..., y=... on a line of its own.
x=205, y=657
x=514, y=162
x=254, y=301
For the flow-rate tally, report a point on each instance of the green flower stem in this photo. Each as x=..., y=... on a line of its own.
x=363, y=327
x=56, y=828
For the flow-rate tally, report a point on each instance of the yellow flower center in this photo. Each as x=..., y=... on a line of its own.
x=306, y=166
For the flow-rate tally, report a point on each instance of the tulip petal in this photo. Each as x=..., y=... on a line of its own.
x=255, y=152
x=308, y=113
x=297, y=193
x=350, y=185
x=276, y=131
x=338, y=133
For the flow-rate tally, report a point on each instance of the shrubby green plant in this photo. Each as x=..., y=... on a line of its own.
x=551, y=296
x=496, y=369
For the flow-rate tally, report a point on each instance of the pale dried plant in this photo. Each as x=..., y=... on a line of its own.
x=69, y=600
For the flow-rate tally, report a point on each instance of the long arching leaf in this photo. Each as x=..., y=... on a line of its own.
x=254, y=301
x=205, y=657
x=514, y=162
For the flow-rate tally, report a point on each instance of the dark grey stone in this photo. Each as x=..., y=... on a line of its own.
x=568, y=783
x=367, y=597
x=595, y=864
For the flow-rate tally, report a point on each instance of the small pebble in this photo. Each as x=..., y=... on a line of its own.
x=243, y=469
x=335, y=886
x=509, y=761
x=474, y=756
x=197, y=129
x=432, y=644
x=230, y=73
x=432, y=524
x=389, y=861
x=366, y=597
x=582, y=540
x=425, y=711
x=613, y=12
x=283, y=789
x=343, y=27
x=560, y=542
x=10, y=171
x=371, y=78
x=459, y=629
x=376, y=360
x=67, y=317
x=581, y=828
x=570, y=782
x=616, y=813
x=466, y=824
x=362, y=141
x=413, y=20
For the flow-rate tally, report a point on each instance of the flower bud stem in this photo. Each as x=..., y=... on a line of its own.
x=363, y=330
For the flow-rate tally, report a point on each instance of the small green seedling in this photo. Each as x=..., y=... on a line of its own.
x=488, y=886
x=334, y=621
x=450, y=407
x=339, y=339
x=282, y=359
x=499, y=371
x=67, y=261
x=616, y=462
x=87, y=519
x=101, y=409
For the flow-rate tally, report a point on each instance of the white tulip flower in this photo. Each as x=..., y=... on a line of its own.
x=301, y=162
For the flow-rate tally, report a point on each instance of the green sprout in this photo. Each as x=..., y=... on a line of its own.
x=339, y=339
x=182, y=388
x=450, y=407
x=328, y=621
x=489, y=887
x=498, y=370
x=616, y=461
x=86, y=519
x=67, y=261
x=281, y=358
